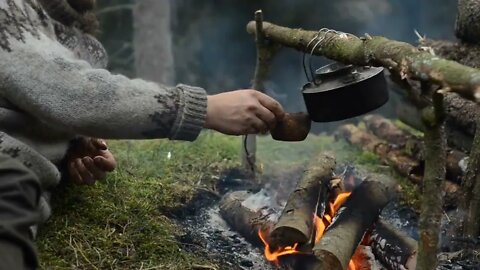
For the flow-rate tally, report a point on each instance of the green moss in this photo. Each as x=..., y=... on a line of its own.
x=118, y=224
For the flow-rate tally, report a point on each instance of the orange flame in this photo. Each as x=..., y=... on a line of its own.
x=321, y=224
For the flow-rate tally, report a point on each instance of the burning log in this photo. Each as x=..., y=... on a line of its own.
x=244, y=220
x=393, y=248
x=296, y=223
x=403, y=164
x=354, y=218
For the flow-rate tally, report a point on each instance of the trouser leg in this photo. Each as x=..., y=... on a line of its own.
x=19, y=197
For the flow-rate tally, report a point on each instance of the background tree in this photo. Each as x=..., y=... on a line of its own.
x=152, y=41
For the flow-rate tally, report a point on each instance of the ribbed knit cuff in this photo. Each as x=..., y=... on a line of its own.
x=192, y=113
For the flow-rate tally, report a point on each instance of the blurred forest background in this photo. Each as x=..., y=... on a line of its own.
x=211, y=48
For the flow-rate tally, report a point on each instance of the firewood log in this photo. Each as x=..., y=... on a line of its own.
x=456, y=137
x=242, y=219
x=402, y=163
x=354, y=218
x=296, y=223
x=395, y=249
x=386, y=130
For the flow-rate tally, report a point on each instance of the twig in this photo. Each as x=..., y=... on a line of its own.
x=199, y=267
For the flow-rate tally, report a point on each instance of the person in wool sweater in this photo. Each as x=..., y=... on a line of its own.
x=57, y=98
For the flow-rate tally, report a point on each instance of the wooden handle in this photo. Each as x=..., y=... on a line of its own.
x=293, y=128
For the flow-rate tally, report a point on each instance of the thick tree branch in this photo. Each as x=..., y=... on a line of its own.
x=402, y=57
x=434, y=176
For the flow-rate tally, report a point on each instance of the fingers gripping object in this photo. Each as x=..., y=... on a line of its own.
x=334, y=92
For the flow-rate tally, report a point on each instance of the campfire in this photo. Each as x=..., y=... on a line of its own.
x=328, y=222
x=320, y=224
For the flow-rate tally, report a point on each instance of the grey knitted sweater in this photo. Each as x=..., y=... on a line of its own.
x=54, y=88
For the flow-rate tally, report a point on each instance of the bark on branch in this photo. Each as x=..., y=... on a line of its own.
x=435, y=170
x=296, y=223
x=379, y=51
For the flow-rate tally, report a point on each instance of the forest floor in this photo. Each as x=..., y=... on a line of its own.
x=126, y=222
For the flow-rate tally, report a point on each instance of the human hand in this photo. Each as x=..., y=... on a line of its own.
x=89, y=161
x=243, y=112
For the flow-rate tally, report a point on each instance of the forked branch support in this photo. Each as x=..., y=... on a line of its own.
x=401, y=57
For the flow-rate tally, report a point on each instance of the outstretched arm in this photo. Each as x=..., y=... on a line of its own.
x=47, y=82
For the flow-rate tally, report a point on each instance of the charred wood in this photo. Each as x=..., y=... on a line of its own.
x=242, y=219
x=354, y=218
x=296, y=223
x=393, y=248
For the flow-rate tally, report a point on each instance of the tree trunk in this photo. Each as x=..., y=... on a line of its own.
x=153, y=41
x=467, y=26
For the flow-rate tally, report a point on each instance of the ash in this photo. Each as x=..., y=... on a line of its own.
x=208, y=235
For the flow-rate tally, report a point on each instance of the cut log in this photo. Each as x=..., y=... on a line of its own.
x=386, y=130
x=412, y=145
x=296, y=223
x=244, y=220
x=461, y=113
x=402, y=163
x=354, y=218
x=456, y=138
x=452, y=195
x=395, y=249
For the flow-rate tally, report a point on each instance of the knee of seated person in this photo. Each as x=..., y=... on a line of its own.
x=18, y=178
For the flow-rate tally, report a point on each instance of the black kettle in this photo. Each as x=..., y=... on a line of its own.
x=341, y=91
x=337, y=92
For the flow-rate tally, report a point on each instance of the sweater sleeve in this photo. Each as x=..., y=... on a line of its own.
x=43, y=79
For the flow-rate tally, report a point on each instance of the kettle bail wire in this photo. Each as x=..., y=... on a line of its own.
x=319, y=39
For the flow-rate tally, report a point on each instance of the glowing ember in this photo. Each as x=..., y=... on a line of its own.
x=321, y=224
